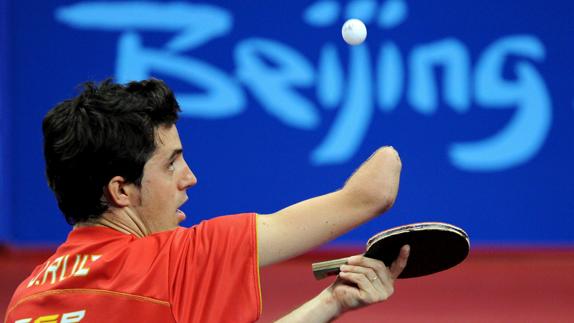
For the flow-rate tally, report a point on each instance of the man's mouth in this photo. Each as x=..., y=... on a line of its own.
x=179, y=213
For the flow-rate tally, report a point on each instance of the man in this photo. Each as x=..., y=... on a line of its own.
x=115, y=163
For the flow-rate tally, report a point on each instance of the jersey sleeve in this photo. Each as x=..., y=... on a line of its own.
x=214, y=271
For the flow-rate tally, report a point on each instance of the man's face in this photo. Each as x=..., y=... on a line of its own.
x=166, y=177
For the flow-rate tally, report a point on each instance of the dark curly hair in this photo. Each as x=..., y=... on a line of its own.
x=107, y=130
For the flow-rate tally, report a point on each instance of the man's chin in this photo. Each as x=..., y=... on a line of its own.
x=180, y=215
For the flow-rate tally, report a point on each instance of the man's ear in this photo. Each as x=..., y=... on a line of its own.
x=118, y=192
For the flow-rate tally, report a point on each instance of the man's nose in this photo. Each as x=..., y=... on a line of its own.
x=188, y=180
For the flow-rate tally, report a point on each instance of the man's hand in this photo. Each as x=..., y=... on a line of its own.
x=361, y=282
x=364, y=281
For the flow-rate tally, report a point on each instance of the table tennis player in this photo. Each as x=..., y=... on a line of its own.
x=115, y=162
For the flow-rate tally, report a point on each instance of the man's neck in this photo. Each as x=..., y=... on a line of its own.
x=124, y=220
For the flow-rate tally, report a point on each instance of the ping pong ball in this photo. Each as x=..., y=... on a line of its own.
x=354, y=32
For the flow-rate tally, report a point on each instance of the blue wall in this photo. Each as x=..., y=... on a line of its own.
x=5, y=121
x=476, y=96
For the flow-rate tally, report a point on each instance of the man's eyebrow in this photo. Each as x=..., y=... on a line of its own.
x=175, y=153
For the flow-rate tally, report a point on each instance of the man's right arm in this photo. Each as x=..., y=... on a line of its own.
x=361, y=282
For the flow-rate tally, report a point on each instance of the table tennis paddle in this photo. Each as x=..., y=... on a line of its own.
x=435, y=246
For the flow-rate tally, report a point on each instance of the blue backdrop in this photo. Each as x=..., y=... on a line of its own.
x=5, y=121
x=476, y=96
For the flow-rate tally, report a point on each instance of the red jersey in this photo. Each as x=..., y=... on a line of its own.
x=206, y=273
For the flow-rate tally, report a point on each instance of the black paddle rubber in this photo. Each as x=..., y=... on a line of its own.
x=434, y=247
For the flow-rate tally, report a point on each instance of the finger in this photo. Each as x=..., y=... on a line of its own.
x=378, y=266
x=370, y=273
x=400, y=263
x=367, y=292
x=360, y=260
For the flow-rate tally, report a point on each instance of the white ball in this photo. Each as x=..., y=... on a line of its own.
x=354, y=32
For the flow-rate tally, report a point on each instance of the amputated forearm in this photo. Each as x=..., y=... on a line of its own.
x=370, y=191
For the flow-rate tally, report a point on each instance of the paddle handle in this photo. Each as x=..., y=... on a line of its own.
x=327, y=268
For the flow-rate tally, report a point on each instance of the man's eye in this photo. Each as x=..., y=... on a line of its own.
x=171, y=166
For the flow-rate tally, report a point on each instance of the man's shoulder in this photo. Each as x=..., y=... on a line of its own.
x=229, y=220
